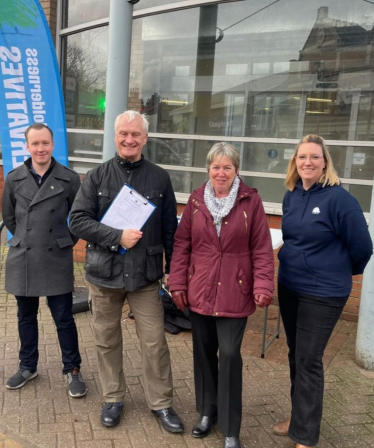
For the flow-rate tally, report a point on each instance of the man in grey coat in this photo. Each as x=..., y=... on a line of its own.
x=37, y=199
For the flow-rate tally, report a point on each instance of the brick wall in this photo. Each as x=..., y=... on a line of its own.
x=50, y=10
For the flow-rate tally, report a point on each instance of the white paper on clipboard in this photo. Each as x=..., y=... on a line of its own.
x=129, y=210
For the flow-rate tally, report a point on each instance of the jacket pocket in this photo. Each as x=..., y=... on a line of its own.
x=14, y=242
x=243, y=282
x=154, y=269
x=294, y=267
x=98, y=263
x=66, y=241
x=155, y=196
x=191, y=271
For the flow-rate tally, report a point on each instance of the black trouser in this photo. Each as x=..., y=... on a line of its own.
x=308, y=322
x=61, y=310
x=219, y=379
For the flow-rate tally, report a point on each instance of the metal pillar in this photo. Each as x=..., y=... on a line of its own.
x=118, y=70
x=365, y=330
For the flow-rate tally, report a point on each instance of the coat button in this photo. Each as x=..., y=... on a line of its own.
x=53, y=210
x=50, y=230
x=219, y=283
x=226, y=222
x=30, y=209
x=28, y=228
x=217, y=314
x=28, y=248
x=49, y=249
x=240, y=281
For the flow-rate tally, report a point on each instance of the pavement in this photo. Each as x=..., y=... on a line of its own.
x=41, y=414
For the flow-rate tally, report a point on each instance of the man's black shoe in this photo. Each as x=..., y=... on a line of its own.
x=169, y=420
x=111, y=414
x=203, y=426
x=232, y=442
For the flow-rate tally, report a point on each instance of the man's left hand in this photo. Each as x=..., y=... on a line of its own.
x=262, y=300
x=165, y=280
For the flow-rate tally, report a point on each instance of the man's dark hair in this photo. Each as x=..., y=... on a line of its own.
x=38, y=127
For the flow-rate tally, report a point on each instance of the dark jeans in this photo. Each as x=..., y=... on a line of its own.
x=219, y=379
x=308, y=323
x=61, y=310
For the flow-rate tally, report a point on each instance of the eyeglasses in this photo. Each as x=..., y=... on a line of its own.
x=313, y=158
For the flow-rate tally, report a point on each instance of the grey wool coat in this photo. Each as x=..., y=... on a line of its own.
x=40, y=258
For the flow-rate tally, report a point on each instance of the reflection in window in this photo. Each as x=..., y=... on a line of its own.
x=76, y=12
x=85, y=146
x=84, y=78
x=253, y=68
x=151, y=3
x=247, y=68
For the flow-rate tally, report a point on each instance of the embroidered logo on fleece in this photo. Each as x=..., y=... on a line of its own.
x=316, y=211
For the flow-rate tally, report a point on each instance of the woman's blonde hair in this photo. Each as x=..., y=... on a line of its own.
x=329, y=176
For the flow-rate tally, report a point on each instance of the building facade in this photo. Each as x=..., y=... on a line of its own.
x=257, y=73
x=248, y=72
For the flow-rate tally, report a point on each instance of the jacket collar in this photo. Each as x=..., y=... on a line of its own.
x=125, y=164
x=26, y=185
x=313, y=189
x=59, y=172
x=244, y=192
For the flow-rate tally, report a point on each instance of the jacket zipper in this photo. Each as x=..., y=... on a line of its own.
x=246, y=222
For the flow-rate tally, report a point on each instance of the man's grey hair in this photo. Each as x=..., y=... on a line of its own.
x=131, y=115
x=223, y=149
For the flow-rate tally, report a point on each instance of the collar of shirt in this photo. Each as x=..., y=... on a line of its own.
x=39, y=179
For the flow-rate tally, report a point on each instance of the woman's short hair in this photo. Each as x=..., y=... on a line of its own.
x=329, y=175
x=131, y=115
x=223, y=149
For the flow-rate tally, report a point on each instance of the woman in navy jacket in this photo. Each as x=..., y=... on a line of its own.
x=326, y=241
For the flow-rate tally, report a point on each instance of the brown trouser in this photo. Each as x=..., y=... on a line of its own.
x=106, y=307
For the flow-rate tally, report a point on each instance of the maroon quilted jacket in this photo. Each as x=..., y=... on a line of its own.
x=221, y=274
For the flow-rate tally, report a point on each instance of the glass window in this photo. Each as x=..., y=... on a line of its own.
x=253, y=68
x=86, y=146
x=259, y=157
x=246, y=68
x=84, y=78
x=77, y=12
x=143, y=4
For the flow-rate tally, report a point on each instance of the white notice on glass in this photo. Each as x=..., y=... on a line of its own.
x=129, y=210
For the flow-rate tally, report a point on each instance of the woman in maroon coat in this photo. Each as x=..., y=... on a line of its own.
x=222, y=267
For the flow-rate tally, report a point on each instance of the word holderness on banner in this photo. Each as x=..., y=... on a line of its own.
x=30, y=87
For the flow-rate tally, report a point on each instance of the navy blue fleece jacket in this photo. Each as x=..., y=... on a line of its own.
x=326, y=241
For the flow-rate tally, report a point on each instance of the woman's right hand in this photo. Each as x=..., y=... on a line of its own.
x=180, y=299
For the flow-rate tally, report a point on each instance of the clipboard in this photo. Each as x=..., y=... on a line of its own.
x=129, y=210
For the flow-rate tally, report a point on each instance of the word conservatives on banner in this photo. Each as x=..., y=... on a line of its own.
x=30, y=89
x=18, y=113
